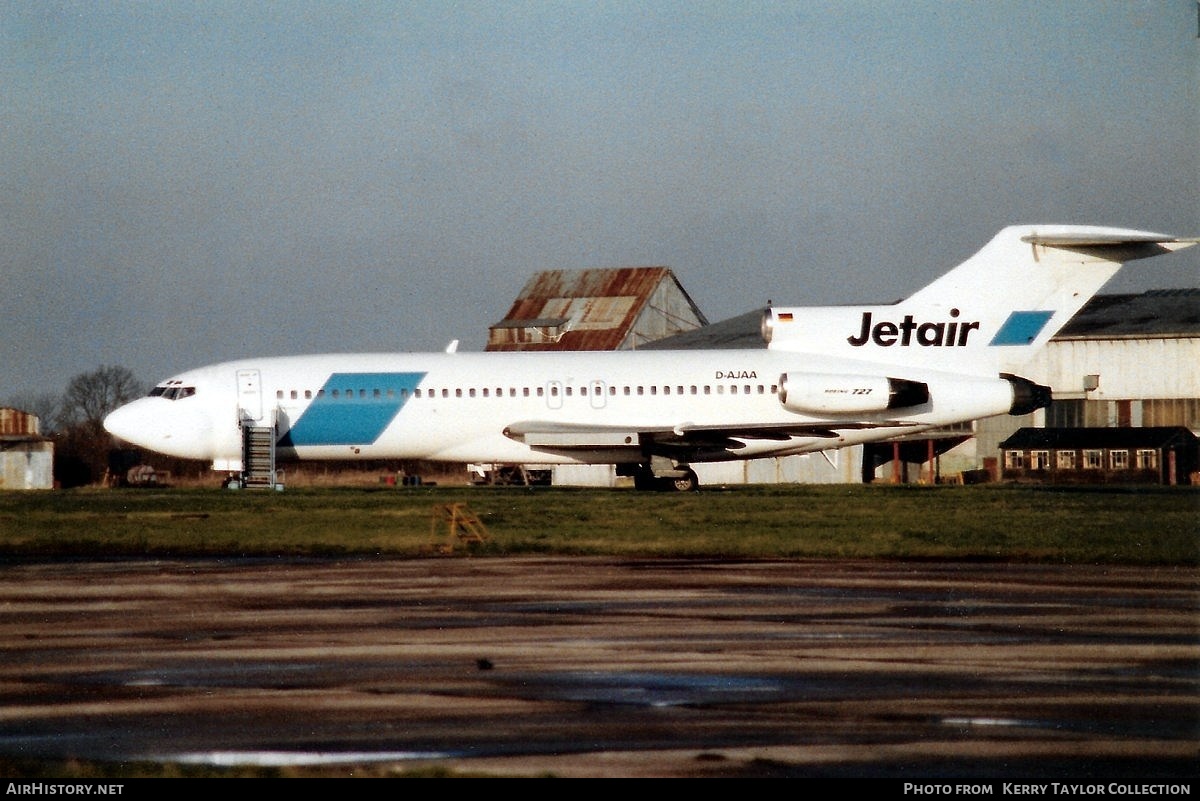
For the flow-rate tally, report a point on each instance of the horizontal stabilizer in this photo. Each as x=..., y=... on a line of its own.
x=1116, y=245
x=1082, y=236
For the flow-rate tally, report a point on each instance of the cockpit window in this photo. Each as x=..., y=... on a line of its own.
x=173, y=390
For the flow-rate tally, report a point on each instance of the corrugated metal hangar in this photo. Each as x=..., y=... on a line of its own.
x=1125, y=362
x=606, y=309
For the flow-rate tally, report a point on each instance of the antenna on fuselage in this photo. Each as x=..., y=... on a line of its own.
x=452, y=347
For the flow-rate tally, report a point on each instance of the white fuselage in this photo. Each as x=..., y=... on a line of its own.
x=532, y=408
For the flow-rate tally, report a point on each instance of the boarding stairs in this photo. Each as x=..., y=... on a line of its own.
x=258, y=456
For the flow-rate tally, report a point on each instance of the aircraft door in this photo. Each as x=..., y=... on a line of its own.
x=249, y=395
x=597, y=394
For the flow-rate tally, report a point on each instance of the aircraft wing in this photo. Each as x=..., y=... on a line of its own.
x=559, y=436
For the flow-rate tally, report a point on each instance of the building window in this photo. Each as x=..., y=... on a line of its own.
x=1147, y=459
x=1039, y=460
x=1014, y=460
x=1065, y=414
x=1118, y=460
x=1093, y=459
x=1066, y=460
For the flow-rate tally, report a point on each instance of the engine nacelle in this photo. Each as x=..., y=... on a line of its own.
x=819, y=393
x=1027, y=396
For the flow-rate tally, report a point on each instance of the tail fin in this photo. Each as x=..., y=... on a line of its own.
x=989, y=315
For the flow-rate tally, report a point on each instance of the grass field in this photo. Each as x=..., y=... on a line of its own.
x=1097, y=525
x=1083, y=525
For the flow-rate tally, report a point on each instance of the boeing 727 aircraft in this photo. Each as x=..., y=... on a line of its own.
x=829, y=378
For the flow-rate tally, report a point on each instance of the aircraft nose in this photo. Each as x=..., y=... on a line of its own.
x=122, y=422
x=183, y=430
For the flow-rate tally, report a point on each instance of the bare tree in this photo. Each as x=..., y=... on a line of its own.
x=83, y=444
x=91, y=396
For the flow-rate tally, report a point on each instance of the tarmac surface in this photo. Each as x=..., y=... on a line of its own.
x=586, y=667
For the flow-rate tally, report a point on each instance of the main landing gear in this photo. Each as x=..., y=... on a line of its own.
x=680, y=479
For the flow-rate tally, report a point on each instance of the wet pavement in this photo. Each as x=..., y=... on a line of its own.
x=583, y=667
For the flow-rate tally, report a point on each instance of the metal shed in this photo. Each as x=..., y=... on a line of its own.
x=26, y=457
x=618, y=308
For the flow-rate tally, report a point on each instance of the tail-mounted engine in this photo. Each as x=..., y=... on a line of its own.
x=817, y=393
x=1027, y=396
x=844, y=394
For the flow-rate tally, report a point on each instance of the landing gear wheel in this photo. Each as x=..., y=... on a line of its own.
x=685, y=483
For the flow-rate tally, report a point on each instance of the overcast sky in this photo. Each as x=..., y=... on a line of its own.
x=185, y=183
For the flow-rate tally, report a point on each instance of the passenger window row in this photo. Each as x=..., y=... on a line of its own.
x=553, y=390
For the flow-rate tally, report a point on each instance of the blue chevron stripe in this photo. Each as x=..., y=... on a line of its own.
x=364, y=406
x=1021, y=327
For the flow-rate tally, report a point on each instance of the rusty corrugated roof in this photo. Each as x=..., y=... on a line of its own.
x=19, y=424
x=593, y=309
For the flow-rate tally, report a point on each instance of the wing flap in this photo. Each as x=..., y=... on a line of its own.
x=559, y=436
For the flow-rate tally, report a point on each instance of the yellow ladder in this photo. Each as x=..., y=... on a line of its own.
x=460, y=525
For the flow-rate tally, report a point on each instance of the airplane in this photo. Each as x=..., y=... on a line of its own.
x=828, y=377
